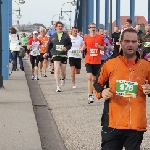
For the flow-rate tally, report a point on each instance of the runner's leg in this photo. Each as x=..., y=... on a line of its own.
x=57, y=71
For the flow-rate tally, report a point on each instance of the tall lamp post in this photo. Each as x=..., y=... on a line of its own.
x=73, y=3
x=1, y=76
x=19, y=15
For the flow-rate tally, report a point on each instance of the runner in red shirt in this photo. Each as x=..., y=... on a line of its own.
x=94, y=43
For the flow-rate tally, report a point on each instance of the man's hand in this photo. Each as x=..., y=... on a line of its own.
x=106, y=94
x=146, y=88
x=64, y=49
x=82, y=48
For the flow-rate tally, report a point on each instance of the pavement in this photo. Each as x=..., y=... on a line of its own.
x=18, y=127
x=72, y=120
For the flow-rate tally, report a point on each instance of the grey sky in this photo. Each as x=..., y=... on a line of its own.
x=42, y=11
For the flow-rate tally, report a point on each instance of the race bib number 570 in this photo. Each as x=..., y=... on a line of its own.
x=126, y=88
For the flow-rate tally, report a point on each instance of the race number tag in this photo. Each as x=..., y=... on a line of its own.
x=75, y=52
x=59, y=47
x=35, y=52
x=126, y=88
x=146, y=44
x=93, y=52
x=35, y=49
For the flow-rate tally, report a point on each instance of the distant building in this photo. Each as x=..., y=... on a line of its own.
x=29, y=27
x=138, y=20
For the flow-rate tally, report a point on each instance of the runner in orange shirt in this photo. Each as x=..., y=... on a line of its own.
x=94, y=43
x=43, y=61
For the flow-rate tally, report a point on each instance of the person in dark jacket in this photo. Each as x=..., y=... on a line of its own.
x=58, y=45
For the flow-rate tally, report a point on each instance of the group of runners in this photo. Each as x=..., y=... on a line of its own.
x=54, y=48
x=116, y=72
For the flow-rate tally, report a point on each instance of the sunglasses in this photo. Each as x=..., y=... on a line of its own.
x=92, y=27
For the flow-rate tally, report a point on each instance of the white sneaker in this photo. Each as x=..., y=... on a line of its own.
x=62, y=82
x=74, y=86
x=36, y=78
x=90, y=99
x=58, y=89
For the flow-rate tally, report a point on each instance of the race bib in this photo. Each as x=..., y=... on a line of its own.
x=93, y=52
x=75, y=53
x=126, y=88
x=146, y=44
x=59, y=47
x=35, y=49
x=35, y=52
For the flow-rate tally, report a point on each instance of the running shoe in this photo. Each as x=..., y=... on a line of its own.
x=90, y=99
x=74, y=86
x=36, y=78
x=44, y=75
x=58, y=89
x=32, y=78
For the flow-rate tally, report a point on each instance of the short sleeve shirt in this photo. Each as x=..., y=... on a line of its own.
x=93, y=54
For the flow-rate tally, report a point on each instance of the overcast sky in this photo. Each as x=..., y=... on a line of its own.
x=42, y=11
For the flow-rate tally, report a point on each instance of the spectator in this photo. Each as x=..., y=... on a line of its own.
x=15, y=45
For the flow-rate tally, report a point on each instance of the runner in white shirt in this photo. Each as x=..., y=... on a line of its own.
x=75, y=54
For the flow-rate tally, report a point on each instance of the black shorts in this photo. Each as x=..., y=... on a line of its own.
x=41, y=57
x=92, y=68
x=115, y=139
x=63, y=60
x=34, y=60
x=75, y=62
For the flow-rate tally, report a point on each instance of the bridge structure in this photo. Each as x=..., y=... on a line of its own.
x=85, y=13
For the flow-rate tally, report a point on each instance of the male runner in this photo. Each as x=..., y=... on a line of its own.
x=59, y=44
x=94, y=43
x=75, y=54
x=127, y=80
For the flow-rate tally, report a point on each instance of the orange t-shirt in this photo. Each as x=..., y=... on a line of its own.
x=44, y=41
x=93, y=54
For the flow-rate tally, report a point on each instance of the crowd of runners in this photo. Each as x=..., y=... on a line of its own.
x=117, y=68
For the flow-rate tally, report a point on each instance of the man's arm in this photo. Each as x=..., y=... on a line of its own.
x=102, y=45
x=69, y=43
x=49, y=46
x=101, y=79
